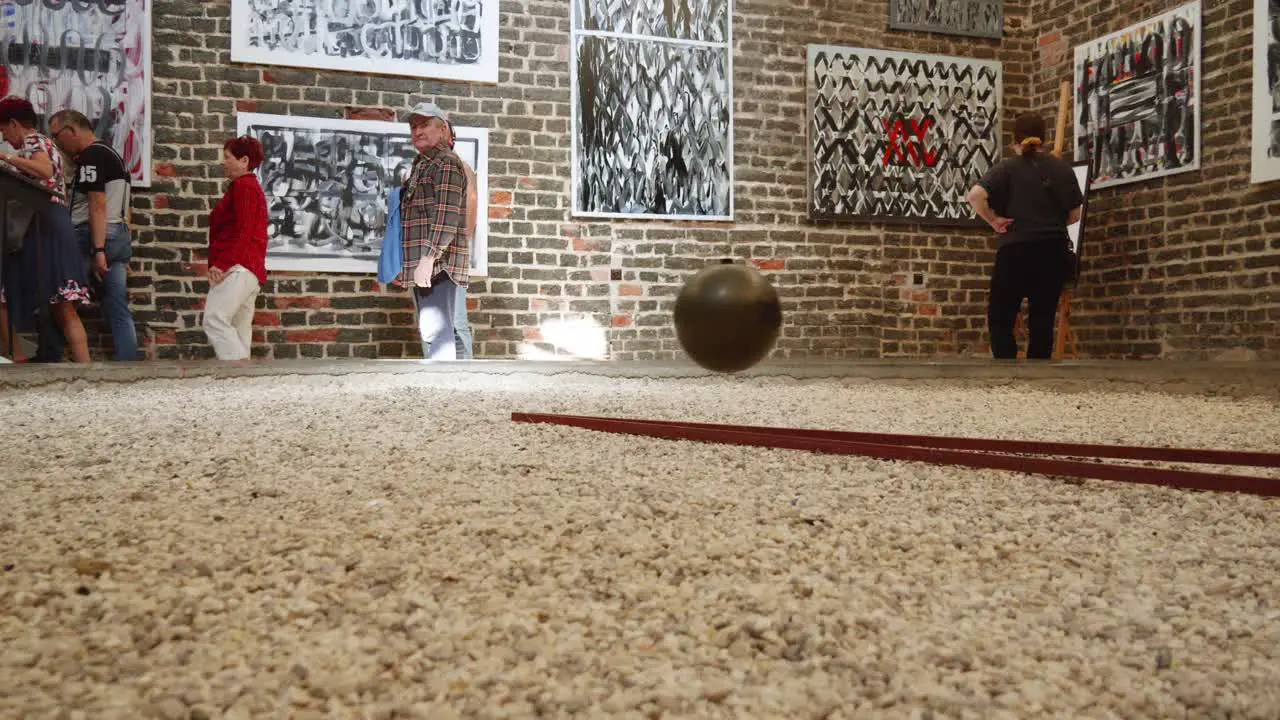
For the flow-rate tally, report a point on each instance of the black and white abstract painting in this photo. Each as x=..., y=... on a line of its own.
x=899, y=136
x=652, y=109
x=88, y=55
x=969, y=18
x=1266, y=91
x=1137, y=99
x=441, y=39
x=327, y=182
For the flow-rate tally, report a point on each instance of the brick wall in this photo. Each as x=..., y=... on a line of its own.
x=555, y=284
x=1187, y=266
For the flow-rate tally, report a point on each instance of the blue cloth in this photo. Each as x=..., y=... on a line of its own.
x=391, y=257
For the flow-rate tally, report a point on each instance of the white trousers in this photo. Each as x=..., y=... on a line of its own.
x=228, y=314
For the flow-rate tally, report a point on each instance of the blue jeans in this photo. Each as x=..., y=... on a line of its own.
x=113, y=289
x=435, y=311
x=461, y=328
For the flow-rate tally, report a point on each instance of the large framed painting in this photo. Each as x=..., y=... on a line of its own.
x=968, y=18
x=652, y=109
x=1137, y=109
x=94, y=57
x=327, y=182
x=899, y=136
x=442, y=39
x=1266, y=91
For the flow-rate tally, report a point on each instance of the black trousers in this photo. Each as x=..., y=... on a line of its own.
x=1036, y=271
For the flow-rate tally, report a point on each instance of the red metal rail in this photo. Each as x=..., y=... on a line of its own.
x=1014, y=455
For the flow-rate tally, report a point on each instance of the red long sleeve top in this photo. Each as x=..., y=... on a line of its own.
x=238, y=228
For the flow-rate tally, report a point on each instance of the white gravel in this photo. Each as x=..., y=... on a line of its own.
x=393, y=546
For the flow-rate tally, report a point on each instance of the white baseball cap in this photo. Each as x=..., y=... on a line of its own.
x=429, y=110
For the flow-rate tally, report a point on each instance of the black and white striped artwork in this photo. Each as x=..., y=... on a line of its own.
x=1266, y=91
x=652, y=109
x=1137, y=109
x=442, y=39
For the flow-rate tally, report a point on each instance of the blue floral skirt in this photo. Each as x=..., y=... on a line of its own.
x=49, y=268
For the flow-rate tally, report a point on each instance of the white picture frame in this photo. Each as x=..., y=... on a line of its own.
x=1265, y=161
x=1109, y=168
x=253, y=20
x=297, y=251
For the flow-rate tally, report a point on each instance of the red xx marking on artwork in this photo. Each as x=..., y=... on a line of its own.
x=901, y=146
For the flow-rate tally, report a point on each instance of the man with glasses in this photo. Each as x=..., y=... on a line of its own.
x=99, y=205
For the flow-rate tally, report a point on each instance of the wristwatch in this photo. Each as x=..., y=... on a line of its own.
x=100, y=250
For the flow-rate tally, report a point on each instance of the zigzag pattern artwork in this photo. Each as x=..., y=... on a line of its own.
x=652, y=128
x=1138, y=99
x=899, y=135
x=706, y=20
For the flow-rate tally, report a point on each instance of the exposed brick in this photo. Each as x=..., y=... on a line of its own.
x=369, y=113
x=303, y=301
x=312, y=336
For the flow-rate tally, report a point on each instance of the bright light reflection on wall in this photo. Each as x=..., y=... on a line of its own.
x=571, y=338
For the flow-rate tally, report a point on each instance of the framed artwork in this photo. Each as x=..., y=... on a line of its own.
x=441, y=39
x=94, y=57
x=1266, y=91
x=327, y=183
x=899, y=136
x=1137, y=109
x=969, y=18
x=652, y=109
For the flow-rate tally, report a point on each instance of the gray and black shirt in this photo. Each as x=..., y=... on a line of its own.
x=99, y=169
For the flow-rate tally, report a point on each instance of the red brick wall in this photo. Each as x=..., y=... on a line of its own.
x=850, y=290
x=1186, y=266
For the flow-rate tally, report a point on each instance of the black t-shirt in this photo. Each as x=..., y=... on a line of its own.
x=98, y=169
x=1038, y=194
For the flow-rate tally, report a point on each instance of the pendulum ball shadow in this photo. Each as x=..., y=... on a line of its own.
x=727, y=317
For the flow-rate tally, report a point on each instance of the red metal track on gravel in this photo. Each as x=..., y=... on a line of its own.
x=988, y=454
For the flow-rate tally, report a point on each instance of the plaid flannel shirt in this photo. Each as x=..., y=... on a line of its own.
x=433, y=216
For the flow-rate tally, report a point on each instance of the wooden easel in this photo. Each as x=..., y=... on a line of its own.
x=1064, y=341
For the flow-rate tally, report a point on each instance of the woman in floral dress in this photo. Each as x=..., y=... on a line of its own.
x=49, y=250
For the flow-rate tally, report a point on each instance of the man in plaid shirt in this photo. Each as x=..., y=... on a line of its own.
x=436, y=250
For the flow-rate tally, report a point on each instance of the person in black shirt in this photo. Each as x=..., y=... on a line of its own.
x=99, y=210
x=1029, y=200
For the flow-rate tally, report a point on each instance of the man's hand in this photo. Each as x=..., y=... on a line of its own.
x=215, y=276
x=1001, y=224
x=100, y=265
x=423, y=272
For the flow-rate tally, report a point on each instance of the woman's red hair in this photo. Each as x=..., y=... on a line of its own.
x=245, y=147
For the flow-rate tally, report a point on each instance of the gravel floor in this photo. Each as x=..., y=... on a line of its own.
x=392, y=546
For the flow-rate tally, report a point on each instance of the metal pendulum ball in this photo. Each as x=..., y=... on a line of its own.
x=727, y=317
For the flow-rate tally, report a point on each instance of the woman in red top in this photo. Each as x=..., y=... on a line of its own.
x=237, y=252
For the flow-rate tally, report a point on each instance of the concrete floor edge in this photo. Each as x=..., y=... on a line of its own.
x=1247, y=378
